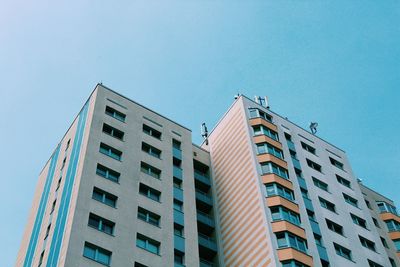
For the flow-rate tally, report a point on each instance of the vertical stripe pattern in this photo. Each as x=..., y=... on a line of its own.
x=239, y=202
x=63, y=210
x=41, y=210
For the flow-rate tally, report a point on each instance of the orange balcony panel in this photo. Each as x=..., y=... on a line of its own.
x=394, y=235
x=280, y=201
x=390, y=216
x=268, y=157
x=265, y=139
x=280, y=226
x=259, y=121
x=292, y=254
x=273, y=178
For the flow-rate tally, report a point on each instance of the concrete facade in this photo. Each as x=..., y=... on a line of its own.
x=126, y=187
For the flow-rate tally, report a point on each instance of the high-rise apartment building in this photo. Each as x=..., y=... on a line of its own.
x=126, y=187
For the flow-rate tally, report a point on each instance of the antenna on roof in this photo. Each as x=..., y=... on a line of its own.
x=263, y=101
x=313, y=127
x=204, y=132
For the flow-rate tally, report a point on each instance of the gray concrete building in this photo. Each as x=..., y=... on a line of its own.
x=127, y=187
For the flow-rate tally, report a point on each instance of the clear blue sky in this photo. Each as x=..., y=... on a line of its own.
x=334, y=62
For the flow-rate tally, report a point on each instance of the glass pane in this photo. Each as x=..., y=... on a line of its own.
x=89, y=252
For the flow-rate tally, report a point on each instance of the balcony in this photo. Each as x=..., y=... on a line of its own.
x=296, y=163
x=179, y=243
x=322, y=253
x=179, y=217
x=208, y=243
x=302, y=182
x=202, y=177
x=205, y=222
x=204, y=198
x=178, y=193
x=315, y=227
x=205, y=263
x=308, y=203
x=177, y=172
x=291, y=145
x=177, y=153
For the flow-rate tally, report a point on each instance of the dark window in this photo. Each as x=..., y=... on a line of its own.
x=179, y=257
x=41, y=259
x=148, y=216
x=314, y=165
x=392, y=262
x=137, y=264
x=256, y=113
x=53, y=206
x=376, y=222
x=68, y=143
x=47, y=231
x=150, y=170
x=113, y=132
x=320, y=184
x=178, y=229
x=367, y=243
x=177, y=183
x=107, y=173
x=151, y=150
x=96, y=253
x=147, y=243
x=308, y=148
x=101, y=224
x=384, y=243
x=342, y=251
x=343, y=181
x=104, y=197
x=327, y=205
x=336, y=163
x=149, y=192
x=373, y=264
x=115, y=114
x=110, y=151
x=152, y=132
x=176, y=144
x=334, y=227
x=359, y=221
x=178, y=205
x=350, y=200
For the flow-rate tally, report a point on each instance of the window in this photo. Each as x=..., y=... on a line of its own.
x=270, y=167
x=147, y=243
x=179, y=257
x=318, y=239
x=270, y=149
x=327, y=205
x=178, y=205
x=304, y=193
x=392, y=262
x=152, y=132
x=107, y=173
x=384, y=243
x=386, y=207
x=286, y=239
x=101, y=224
x=336, y=163
x=261, y=129
x=256, y=113
x=96, y=253
x=392, y=225
x=115, y=114
x=47, y=231
x=308, y=148
x=151, y=150
x=178, y=230
x=343, y=181
x=148, y=216
x=278, y=190
x=149, y=192
x=376, y=222
x=63, y=163
x=350, y=200
x=282, y=213
x=342, y=251
x=334, y=227
x=113, y=132
x=397, y=244
x=311, y=215
x=373, y=264
x=53, y=206
x=150, y=170
x=367, y=243
x=104, y=197
x=110, y=151
x=359, y=221
x=137, y=264
x=368, y=204
x=320, y=184
x=314, y=165
x=68, y=143
x=41, y=259
x=177, y=183
x=58, y=183
x=176, y=144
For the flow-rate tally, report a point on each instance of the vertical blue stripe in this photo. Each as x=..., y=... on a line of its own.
x=63, y=210
x=41, y=210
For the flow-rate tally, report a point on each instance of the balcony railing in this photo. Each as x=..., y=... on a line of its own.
x=177, y=172
x=204, y=263
x=202, y=177
x=207, y=242
x=205, y=218
x=200, y=195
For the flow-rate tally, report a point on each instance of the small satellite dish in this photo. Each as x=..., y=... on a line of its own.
x=313, y=127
